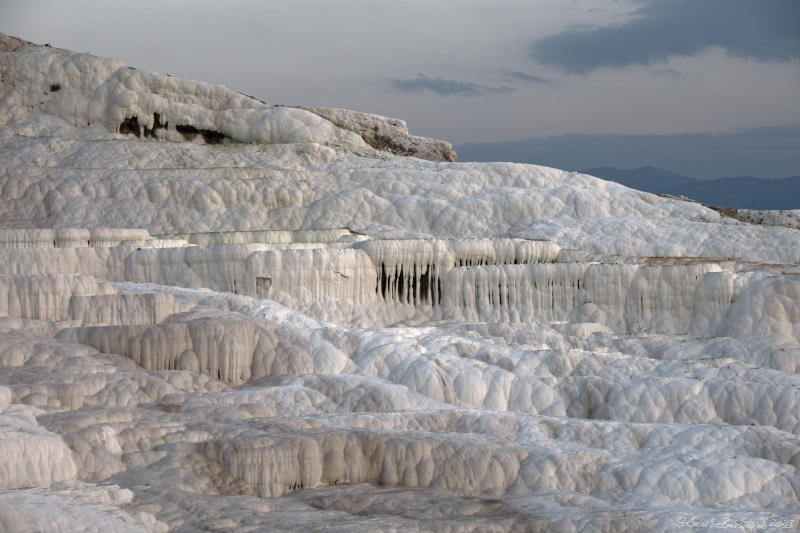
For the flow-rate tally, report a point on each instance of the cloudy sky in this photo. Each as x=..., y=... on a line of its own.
x=464, y=70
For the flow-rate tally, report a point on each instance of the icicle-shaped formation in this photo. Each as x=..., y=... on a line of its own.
x=627, y=298
x=117, y=236
x=480, y=252
x=663, y=298
x=265, y=236
x=408, y=271
x=275, y=465
x=312, y=274
x=102, y=263
x=514, y=292
x=222, y=349
x=71, y=237
x=412, y=271
x=221, y=268
x=391, y=280
x=131, y=309
x=43, y=296
x=228, y=347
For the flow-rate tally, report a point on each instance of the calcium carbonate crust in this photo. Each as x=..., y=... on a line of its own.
x=222, y=315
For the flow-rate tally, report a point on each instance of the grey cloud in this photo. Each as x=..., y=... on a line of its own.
x=757, y=29
x=499, y=90
x=667, y=72
x=445, y=87
x=523, y=76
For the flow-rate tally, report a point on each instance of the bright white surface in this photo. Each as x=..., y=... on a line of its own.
x=442, y=371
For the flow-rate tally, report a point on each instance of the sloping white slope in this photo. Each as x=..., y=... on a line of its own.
x=93, y=179
x=221, y=315
x=85, y=90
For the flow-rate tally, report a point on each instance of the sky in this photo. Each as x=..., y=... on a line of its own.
x=464, y=70
x=760, y=152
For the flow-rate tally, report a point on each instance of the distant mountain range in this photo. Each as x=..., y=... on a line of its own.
x=743, y=192
x=765, y=152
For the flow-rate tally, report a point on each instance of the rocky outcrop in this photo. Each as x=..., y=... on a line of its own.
x=388, y=134
x=9, y=43
x=772, y=217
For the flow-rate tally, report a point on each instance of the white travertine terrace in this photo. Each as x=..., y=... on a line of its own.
x=222, y=315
